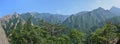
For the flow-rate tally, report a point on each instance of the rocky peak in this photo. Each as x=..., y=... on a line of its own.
x=99, y=9
x=114, y=8
x=3, y=38
x=16, y=15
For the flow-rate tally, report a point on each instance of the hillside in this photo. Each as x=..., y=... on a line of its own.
x=10, y=22
x=84, y=21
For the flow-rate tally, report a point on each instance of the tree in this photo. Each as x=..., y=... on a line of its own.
x=104, y=35
x=64, y=39
x=28, y=34
x=53, y=29
x=77, y=37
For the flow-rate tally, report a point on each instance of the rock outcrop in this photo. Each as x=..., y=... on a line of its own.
x=3, y=38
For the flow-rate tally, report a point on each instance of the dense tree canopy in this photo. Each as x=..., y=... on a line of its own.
x=104, y=35
x=44, y=34
x=48, y=33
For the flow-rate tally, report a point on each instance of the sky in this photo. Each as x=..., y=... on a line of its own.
x=65, y=7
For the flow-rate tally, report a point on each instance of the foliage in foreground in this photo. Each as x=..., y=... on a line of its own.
x=30, y=34
x=105, y=35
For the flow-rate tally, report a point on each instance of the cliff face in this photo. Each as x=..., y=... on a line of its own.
x=3, y=38
x=6, y=23
x=10, y=22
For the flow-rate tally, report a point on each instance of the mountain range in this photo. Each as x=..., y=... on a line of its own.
x=85, y=21
x=82, y=21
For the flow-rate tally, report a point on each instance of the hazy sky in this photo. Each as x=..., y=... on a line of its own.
x=65, y=7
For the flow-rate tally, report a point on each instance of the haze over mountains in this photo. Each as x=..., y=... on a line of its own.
x=85, y=21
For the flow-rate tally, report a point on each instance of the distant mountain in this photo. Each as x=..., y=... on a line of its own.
x=84, y=21
x=115, y=20
x=52, y=18
x=11, y=21
x=115, y=10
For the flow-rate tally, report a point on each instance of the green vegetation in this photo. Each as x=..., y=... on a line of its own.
x=104, y=35
x=44, y=34
x=84, y=21
x=48, y=33
x=77, y=37
x=88, y=27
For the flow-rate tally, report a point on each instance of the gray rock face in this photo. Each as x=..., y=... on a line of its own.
x=3, y=38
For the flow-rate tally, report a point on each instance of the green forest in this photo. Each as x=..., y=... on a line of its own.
x=48, y=33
